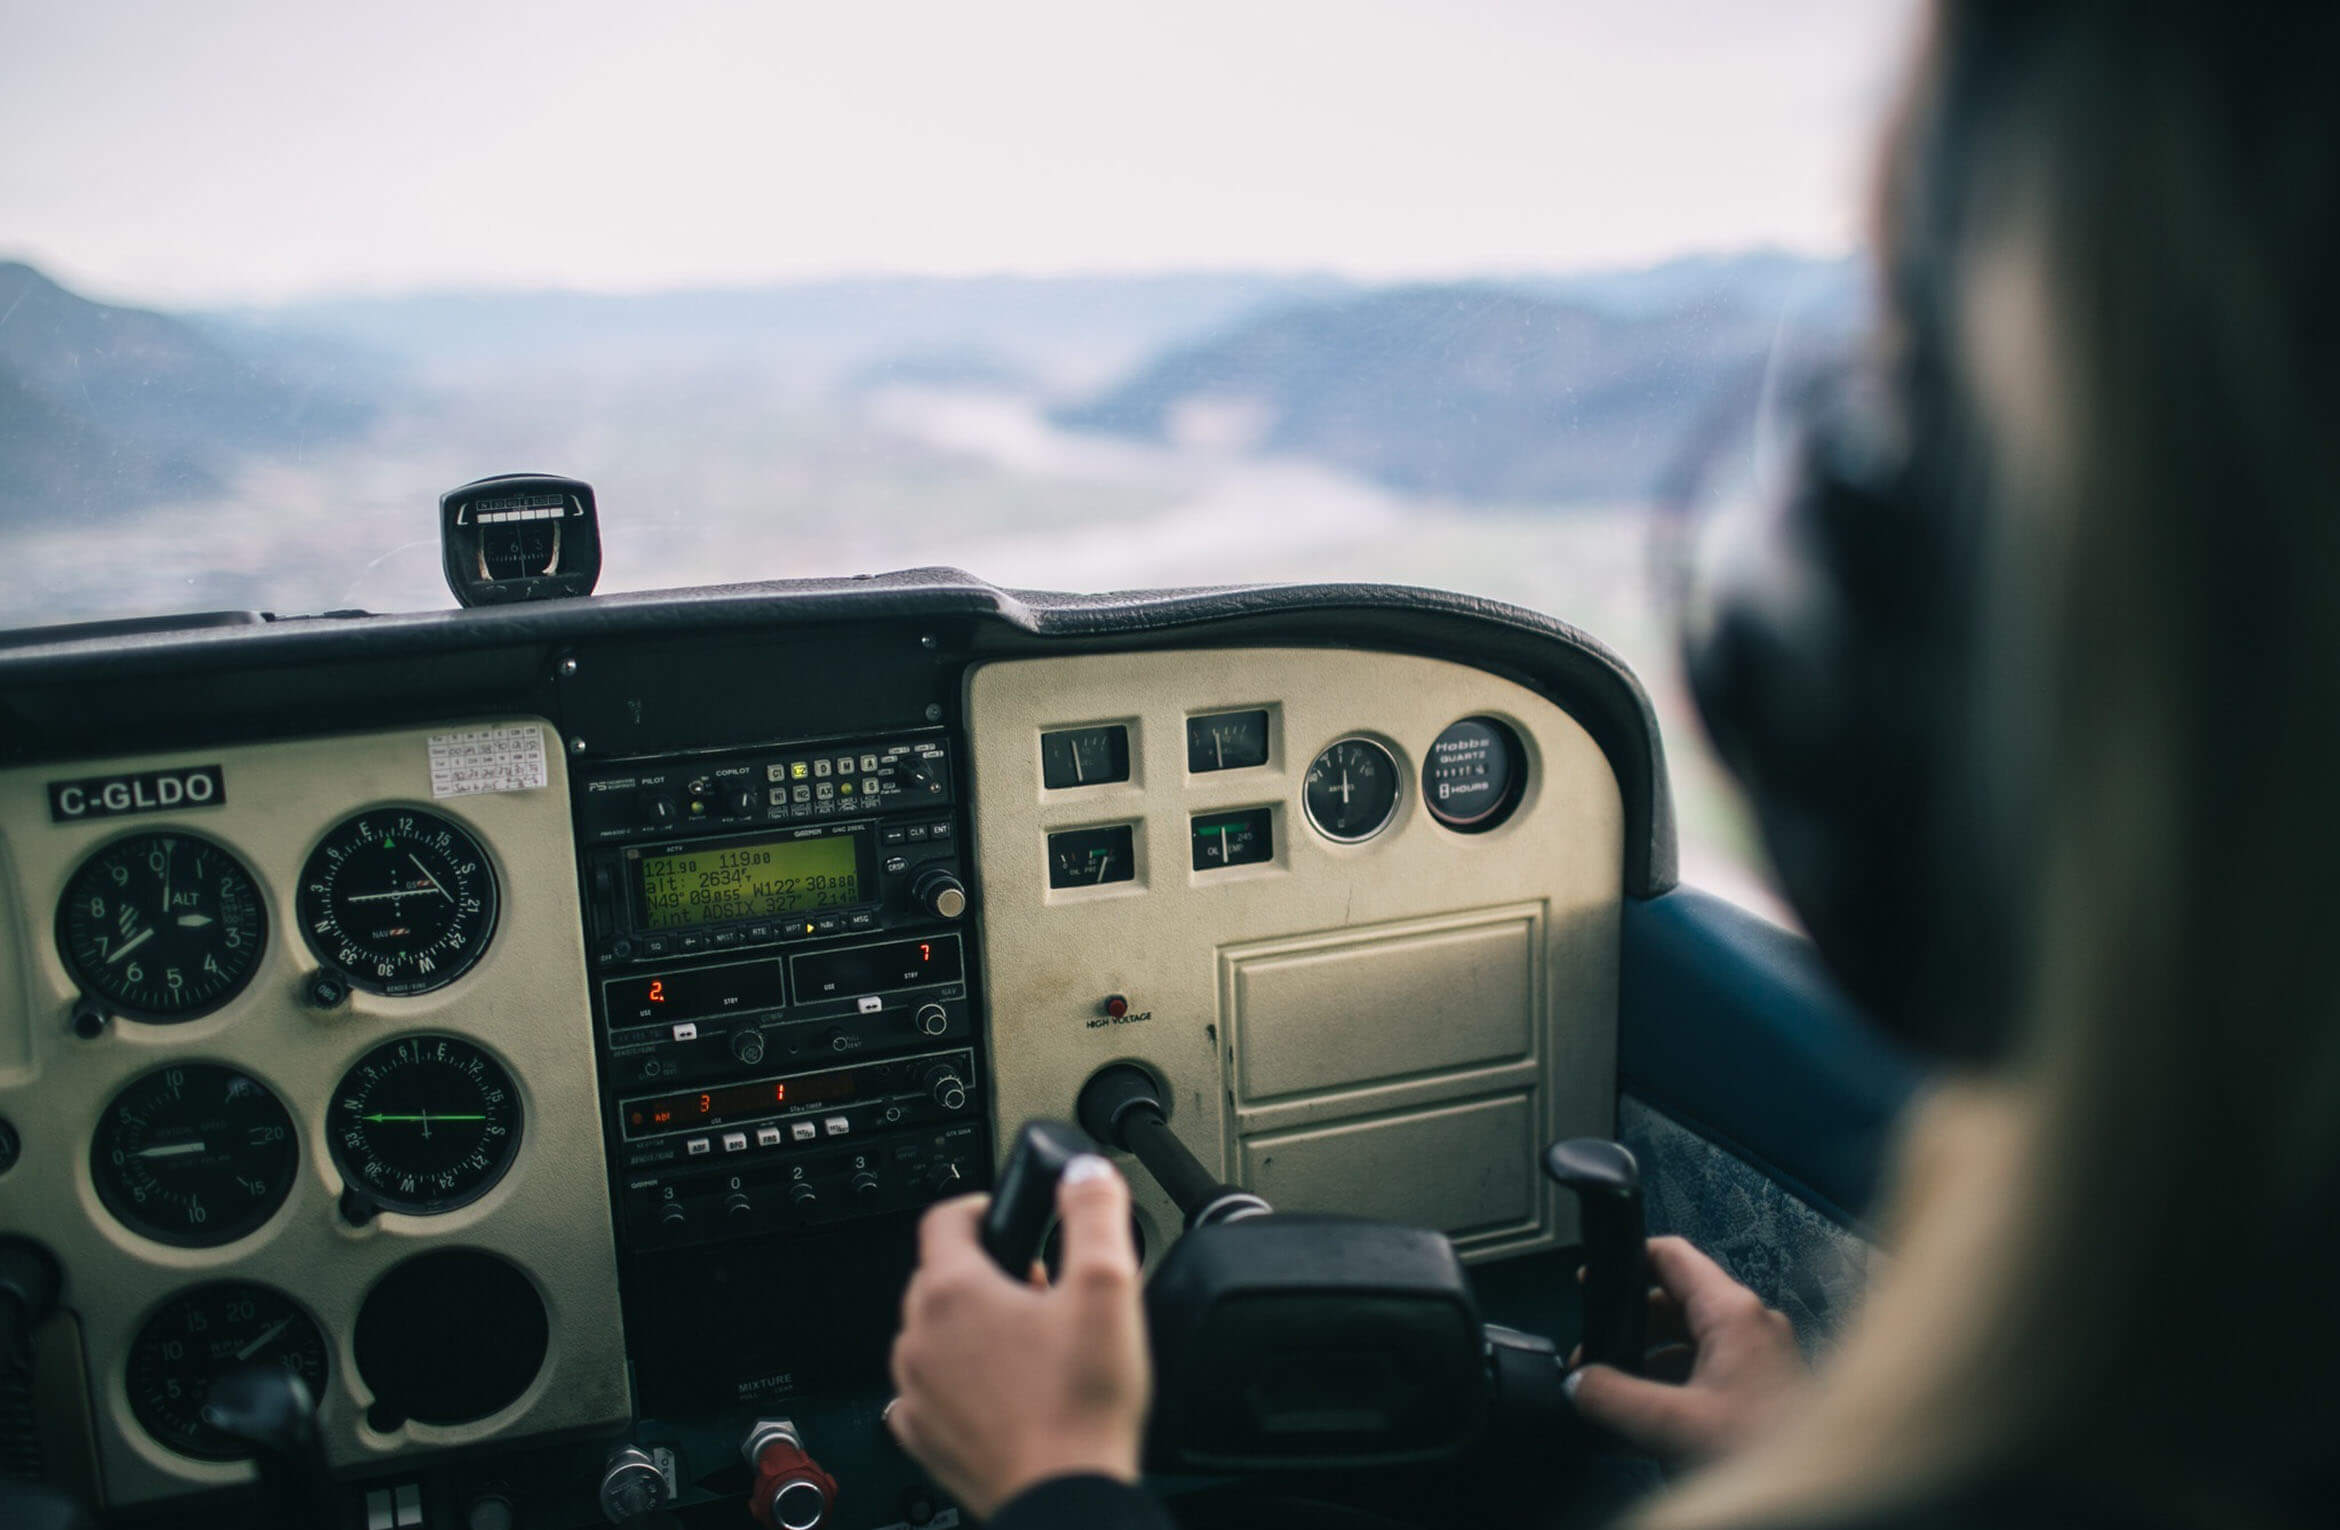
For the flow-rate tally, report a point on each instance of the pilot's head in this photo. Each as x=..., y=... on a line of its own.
x=2036, y=684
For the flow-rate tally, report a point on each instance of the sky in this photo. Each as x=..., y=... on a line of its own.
x=256, y=151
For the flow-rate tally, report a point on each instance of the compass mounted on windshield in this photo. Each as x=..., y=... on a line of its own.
x=520, y=536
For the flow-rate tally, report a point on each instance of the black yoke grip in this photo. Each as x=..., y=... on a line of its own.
x=1607, y=1183
x=1025, y=1201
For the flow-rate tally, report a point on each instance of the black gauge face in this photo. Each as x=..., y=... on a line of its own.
x=1091, y=857
x=1084, y=757
x=162, y=926
x=1245, y=838
x=202, y=1334
x=401, y=901
x=1474, y=774
x=424, y=1124
x=1226, y=741
x=1352, y=790
x=194, y=1154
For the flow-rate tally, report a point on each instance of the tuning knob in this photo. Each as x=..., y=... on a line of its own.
x=748, y=1046
x=865, y=1186
x=938, y=891
x=945, y=1087
x=932, y=1020
x=802, y=1196
x=943, y=1175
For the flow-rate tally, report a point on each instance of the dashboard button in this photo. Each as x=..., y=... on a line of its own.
x=767, y=1136
x=735, y=1142
x=892, y=834
x=687, y=1030
x=803, y=1131
x=836, y=1126
x=698, y=1147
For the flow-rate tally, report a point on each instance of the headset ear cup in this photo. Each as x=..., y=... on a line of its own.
x=1805, y=656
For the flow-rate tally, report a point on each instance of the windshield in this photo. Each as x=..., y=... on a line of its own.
x=1069, y=296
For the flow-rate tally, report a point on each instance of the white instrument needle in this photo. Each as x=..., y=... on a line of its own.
x=270, y=1332
x=132, y=944
x=175, y=1150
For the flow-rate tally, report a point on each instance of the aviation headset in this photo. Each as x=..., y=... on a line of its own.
x=1834, y=659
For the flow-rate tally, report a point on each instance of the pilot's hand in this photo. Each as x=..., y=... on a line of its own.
x=1744, y=1367
x=1004, y=1386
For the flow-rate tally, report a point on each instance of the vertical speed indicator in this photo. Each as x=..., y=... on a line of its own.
x=399, y=900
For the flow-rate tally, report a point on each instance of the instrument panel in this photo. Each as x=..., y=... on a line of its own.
x=279, y=1043
x=510, y=1079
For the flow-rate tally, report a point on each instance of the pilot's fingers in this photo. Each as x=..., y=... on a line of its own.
x=950, y=1232
x=1651, y=1416
x=1092, y=1203
x=1710, y=1299
x=1667, y=1325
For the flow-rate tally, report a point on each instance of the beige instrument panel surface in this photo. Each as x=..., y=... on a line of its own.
x=524, y=1002
x=1393, y=1028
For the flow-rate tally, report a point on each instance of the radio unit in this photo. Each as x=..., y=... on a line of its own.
x=782, y=985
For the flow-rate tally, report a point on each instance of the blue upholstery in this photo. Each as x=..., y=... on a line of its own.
x=1730, y=1027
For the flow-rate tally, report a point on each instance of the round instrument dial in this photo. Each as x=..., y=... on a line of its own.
x=424, y=1124
x=194, y=1154
x=1352, y=790
x=163, y=926
x=202, y=1334
x=401, y=900
x=1474, y=774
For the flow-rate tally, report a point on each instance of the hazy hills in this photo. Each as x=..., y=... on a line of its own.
x=104, y=408
x=1528, y=391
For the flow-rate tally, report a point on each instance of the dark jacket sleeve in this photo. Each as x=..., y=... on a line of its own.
x=1082, y=1503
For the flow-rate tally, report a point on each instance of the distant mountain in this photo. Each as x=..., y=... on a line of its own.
x=1481, y=392
x=105, y=408
x=1071, y=329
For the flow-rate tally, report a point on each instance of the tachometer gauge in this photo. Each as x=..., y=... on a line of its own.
x=424, y=1124
x=163, y=926
x=202, y=1334
x=402, y=901
x=1352, y=790
x=194, y=1154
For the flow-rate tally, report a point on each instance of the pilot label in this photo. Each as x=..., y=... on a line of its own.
x=150, y=791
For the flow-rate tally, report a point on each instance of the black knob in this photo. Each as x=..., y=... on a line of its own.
x=939, y=892
x=672, y=1215
x=742, y=799
x=748, y=1046
x=944, y=1176
x=657, y=808
x=933, y=1019
x=943, y=1084
x=802, y=1195
x=700, y=790
x=738, y=1207
x=865, y=1186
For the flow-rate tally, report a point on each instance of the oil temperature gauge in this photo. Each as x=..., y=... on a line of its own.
x=1246, y=838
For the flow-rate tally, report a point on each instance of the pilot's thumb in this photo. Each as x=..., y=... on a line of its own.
x=1092, y=1205
x=1652, y=1416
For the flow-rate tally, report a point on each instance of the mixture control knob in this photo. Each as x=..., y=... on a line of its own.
x=939, y=892
x=945, y=1087
x=631, y=1484
x=933, y=1019
x=748, y=1046
x=791, y=1491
